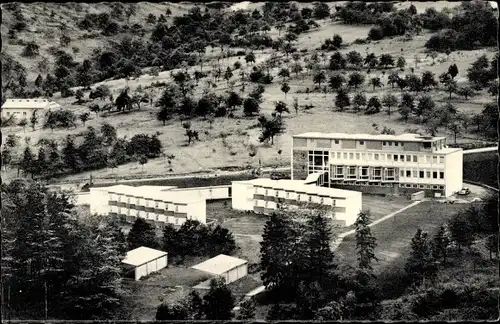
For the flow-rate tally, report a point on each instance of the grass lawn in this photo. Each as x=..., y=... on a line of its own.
x=394, y=237
x=380, y=206
x=169, y=285
x=244, y=285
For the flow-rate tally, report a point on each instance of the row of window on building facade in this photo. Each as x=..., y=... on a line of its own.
x=309, y=199
x=375, y=173
x=148, y=202
x=321, y=157
x=16, y=113
x=174, y=220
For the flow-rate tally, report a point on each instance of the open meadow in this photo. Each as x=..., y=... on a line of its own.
x=213, y=152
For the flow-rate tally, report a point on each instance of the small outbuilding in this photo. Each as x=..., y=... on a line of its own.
x=142, y=261
x=225, y=266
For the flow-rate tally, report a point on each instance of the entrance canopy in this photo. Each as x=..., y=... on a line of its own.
x=313, y=177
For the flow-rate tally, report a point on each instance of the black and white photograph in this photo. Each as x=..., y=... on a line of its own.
x=249, y=161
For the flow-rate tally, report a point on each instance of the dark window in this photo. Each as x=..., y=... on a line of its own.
x=229, y=191
x=434, y=175
x=383, y=143
x=361, y=142
x=336, y=141
x=408, y=173
x=395, y=157
x=441, y=175
x=421, y=174
x=427, y=144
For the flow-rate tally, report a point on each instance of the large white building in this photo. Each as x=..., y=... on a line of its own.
x=24, y=108
x=264, y=196
x=381, y=164
x=158, y=205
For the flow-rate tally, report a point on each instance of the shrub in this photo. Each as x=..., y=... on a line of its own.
x=31, y=50
x=375, y=33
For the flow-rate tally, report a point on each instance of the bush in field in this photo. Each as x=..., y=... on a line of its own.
x=63, y=118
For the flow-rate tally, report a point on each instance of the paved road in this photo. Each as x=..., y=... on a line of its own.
x=484, y=149
x=341, y=237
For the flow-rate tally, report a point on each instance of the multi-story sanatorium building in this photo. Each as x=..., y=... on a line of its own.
x=263, y=196
x=158, y=205
x=381, y=164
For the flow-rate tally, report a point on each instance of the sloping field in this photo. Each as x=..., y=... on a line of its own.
x=394, y=237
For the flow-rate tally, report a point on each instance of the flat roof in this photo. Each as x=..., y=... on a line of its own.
x=161, y=193
x=36, y=103
x=142, y=255
x=219, y=264
x=407, y=137
x=299, y=185
x=447, y=150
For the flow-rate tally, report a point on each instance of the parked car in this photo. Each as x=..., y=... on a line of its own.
x=464, y=192
x=477, y=199
x=279, y=176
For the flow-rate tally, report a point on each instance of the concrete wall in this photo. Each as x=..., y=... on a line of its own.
x=236, y=273
x=207, y=193
x=374, y=145
x=348, y=144
x=418, y=195
x=353, y=205
x=197, y=211
x=299, y=166
x=453, y=172
x=98, y=200
x=150, y=267
x=242, y=197
x=21, y=113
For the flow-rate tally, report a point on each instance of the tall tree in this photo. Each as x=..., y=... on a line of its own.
x=440, y=244
x=365, y=242
x=336, y=81
x=359, y=101
x=342, y=99
x=319, y=78
x=319, y=258
x=270, y=128
x=354, y=58
x=420, y=263
x=28, y=162
x=373, y=106
x=356, y=79
x=461, y=231
x=389, y=100
x=219, y=301
x=276, y=252
x=142, y=234
x=70, y=153
x=285, y=88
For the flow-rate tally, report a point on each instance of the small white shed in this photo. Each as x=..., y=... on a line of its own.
x=225, y=266
x=143, y=261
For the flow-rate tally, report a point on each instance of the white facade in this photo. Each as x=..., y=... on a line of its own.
x=454, y=165
x=225, y=266
x=145, y=260
x=24, y=108
x=206, y=193
x=265, y=195
x=157, y=205
x=404, y=161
